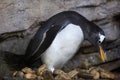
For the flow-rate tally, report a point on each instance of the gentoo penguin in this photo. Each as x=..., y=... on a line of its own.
x=59, y=38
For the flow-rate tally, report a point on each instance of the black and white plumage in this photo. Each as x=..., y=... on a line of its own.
x=59, y=38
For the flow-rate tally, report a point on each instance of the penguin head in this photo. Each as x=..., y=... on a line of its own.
x=97, y=38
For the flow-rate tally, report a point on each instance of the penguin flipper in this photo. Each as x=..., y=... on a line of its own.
x=46, y=40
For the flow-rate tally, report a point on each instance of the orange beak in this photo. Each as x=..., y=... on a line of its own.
x=102, y=54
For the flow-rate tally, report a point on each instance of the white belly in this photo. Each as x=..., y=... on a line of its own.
x=64, y=46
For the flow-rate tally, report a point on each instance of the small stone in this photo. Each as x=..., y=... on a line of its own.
x=85, y=65
x=27, y=70
x=41, y=69
x=18, y=74
x=30, y=76
x=63, y=77
x=95, y=74
x=14, y=74
x=47, y=75
x=40, y=77
x=59, y=72
x=73, y=73
x=107, y=75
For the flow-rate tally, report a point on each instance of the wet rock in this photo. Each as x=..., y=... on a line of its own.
x=20, y=15
x=93, y=59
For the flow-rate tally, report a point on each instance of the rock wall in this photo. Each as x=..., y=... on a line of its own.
x=18, y=19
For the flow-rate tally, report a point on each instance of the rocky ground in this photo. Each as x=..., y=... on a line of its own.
x=88, y=72
x=78, y=73
x=79, y=67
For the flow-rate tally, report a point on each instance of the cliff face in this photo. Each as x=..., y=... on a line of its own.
x=18, y=19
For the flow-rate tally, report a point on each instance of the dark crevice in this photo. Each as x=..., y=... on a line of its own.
x=102, y=21
x=9, y=35
x=97, y=20
x=87, y=6
x=116, y=18
x=109, y=0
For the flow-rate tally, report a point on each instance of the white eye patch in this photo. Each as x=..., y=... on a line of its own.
x=102, y=37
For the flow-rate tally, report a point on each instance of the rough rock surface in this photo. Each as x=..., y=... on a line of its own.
x=17, y=16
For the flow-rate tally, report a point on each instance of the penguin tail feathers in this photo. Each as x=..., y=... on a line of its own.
x=14, y=61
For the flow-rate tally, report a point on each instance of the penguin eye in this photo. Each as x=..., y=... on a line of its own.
x=101, y=38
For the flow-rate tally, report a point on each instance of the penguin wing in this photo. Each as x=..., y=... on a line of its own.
x=40, y=42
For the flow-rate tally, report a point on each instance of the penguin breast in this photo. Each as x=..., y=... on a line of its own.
x=63, y=47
